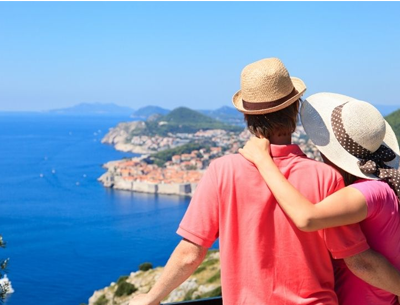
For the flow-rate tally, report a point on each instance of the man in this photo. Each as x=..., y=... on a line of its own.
x=265, y=259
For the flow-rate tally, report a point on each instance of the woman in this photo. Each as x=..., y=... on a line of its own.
x=353, y=137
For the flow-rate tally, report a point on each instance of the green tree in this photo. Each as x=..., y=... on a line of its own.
x=125, y=288
x=122, y=279
x=102, y=300
x=145, y=266
x=4, y=287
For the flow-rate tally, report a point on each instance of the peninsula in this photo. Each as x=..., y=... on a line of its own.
x=174, y=170
x=175, y=150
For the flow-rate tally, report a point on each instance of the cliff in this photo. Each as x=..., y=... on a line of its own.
x=121, y=135
x=204, y=283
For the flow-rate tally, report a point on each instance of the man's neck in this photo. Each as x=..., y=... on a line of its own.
x=281, y=140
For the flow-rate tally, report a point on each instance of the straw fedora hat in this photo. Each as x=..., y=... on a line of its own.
x=338, y=135
x=266, y=86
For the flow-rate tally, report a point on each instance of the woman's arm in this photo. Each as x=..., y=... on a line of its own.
x=344, y=207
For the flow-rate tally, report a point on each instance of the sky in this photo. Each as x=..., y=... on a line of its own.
x=170, y=54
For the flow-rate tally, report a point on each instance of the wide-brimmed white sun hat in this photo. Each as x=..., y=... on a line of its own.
x=350, y=133
x=266, y=86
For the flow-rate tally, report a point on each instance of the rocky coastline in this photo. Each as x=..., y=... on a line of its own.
x=119, y=135
x=205, y=282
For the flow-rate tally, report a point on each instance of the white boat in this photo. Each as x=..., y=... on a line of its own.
x=4, y=281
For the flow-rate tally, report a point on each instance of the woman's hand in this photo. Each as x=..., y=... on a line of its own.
x=256, y=150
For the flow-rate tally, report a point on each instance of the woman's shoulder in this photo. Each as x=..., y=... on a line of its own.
x=370, y=184
x=374, y=189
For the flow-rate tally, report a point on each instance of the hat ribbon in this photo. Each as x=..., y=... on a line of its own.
x=266, y=105
x=370, y=162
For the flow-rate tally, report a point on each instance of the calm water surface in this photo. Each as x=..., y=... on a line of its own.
x=66, y=234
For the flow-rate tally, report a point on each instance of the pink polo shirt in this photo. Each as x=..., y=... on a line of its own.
x=265, y=259
x=382, y=230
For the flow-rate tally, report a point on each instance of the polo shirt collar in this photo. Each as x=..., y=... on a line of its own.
x=285, y=150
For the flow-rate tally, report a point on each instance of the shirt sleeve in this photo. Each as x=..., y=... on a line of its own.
x=200, y=223
x=374, y=194
x=345, y=241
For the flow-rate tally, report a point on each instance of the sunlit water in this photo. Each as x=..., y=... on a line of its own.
x=66, y=234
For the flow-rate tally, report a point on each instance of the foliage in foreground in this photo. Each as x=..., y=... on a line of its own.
x=124, y=288
x=101, y=300
x=145, y=266
x=394, y=121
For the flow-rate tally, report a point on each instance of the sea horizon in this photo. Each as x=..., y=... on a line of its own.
x=384, y=109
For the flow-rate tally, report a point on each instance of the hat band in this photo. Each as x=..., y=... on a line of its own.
x=370, y=162
x=267, y=105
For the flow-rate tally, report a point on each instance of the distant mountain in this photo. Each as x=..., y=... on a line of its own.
x=179, y=120
x=226, y=114
x=387, y=109
x=394, y=121
x=146, y=112
x=94, y=109
x=185, y=120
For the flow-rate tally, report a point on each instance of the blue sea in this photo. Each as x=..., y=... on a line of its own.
x=66, y=234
